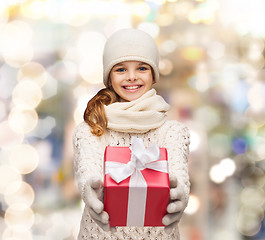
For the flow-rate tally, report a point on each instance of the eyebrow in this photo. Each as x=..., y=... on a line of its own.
x=122, y=64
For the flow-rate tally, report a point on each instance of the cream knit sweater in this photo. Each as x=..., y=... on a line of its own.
x=88, y=161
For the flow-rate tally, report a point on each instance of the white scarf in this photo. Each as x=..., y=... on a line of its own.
x=138, y=116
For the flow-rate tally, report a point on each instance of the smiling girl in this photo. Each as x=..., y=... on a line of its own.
x=128, y=107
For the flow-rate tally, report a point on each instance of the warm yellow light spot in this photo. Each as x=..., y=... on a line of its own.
x=192, y=53
x=95, y=47
x=151, y=28
x=256, y=97
x=194, y=17
x=8, y=175
x=17, y=233
x=15, y=40
x=158, y=2
x=14, y=33
x=27, y=95
x=19, y=193
x=34, y=72
x=165, y=19
x=23, y=121
x=90, y=70
x=3, y=110
x=34, y=9
x=165, y=66
x=19, y=215
x=4, y=15
x=25, y=158
x=78, y=116
x=193, y=205
x=140, y=9
x=8, y=137
x=18, y=55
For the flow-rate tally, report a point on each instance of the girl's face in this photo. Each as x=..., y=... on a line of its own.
x=131, y=79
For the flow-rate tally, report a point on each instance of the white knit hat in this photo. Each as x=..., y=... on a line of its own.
x=130, y=45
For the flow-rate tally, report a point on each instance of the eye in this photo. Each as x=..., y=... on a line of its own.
x=120, y=70
x=143, y=68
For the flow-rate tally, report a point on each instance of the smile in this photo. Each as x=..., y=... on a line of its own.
x=132, y=87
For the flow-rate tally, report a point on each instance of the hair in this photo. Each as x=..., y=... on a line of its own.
x=95, y=115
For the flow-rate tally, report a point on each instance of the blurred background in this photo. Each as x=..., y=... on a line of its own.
x=212, y=73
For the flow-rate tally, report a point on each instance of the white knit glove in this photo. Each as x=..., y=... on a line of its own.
x=94, y=202
x=176, y=205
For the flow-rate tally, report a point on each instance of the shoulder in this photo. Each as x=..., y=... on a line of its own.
x=82, y=127
x=172, y=131
x=82, y=131
x=174, y=126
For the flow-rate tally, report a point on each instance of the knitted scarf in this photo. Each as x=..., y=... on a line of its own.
x=138, y=116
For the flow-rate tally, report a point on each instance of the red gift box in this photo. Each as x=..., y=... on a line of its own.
x=132, y=205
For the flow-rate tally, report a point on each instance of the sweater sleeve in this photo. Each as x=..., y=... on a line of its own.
x=177, y=143
x=88, y=157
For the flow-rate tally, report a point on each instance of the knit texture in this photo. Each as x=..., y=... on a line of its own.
x=130, y=45
x=138, y=116
x=88, y=162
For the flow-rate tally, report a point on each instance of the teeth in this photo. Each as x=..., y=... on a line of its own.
x=131, y=87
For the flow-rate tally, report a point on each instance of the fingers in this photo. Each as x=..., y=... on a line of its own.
x=171, y=218
x=113, y=229
x=169, y=229
x=173, y=181
x=174, y=207
x=93, y=201
x=105, y=227
x=96, y=183
x=176, y=193
x=97, y=205
x=103, y=217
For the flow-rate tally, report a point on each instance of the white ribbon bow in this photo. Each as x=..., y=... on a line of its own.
x=141, y=158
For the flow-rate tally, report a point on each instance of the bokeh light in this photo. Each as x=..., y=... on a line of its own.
x=219, y=172
x=253, y=196
x=19, y=215
x=249, y=220
x=15, y=43
x=22, y=121
x=19, y=192
x=239, y=145
x=50, y=88
x=8, y=175
x=90, y=69
x=151, y=28
x=8, y=137
x=195, y=140
x=192, y=53
x=17, y=233
x=141, y=9
x=25, y=158
x=33, y=71
x=193, y=205
x=165, y=67
x=27, y=95
x=34, y=9
x=3, y=110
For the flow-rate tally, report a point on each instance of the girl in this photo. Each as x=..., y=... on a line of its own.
x=127, y=107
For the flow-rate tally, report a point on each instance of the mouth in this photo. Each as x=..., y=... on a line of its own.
x=132, y=87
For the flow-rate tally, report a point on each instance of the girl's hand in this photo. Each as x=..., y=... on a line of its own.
x=94, y=201
x=175, y=207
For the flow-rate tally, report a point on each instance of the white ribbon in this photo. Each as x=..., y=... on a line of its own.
x=141, y=158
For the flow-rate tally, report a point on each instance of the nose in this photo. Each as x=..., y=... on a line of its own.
x=132, y=76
